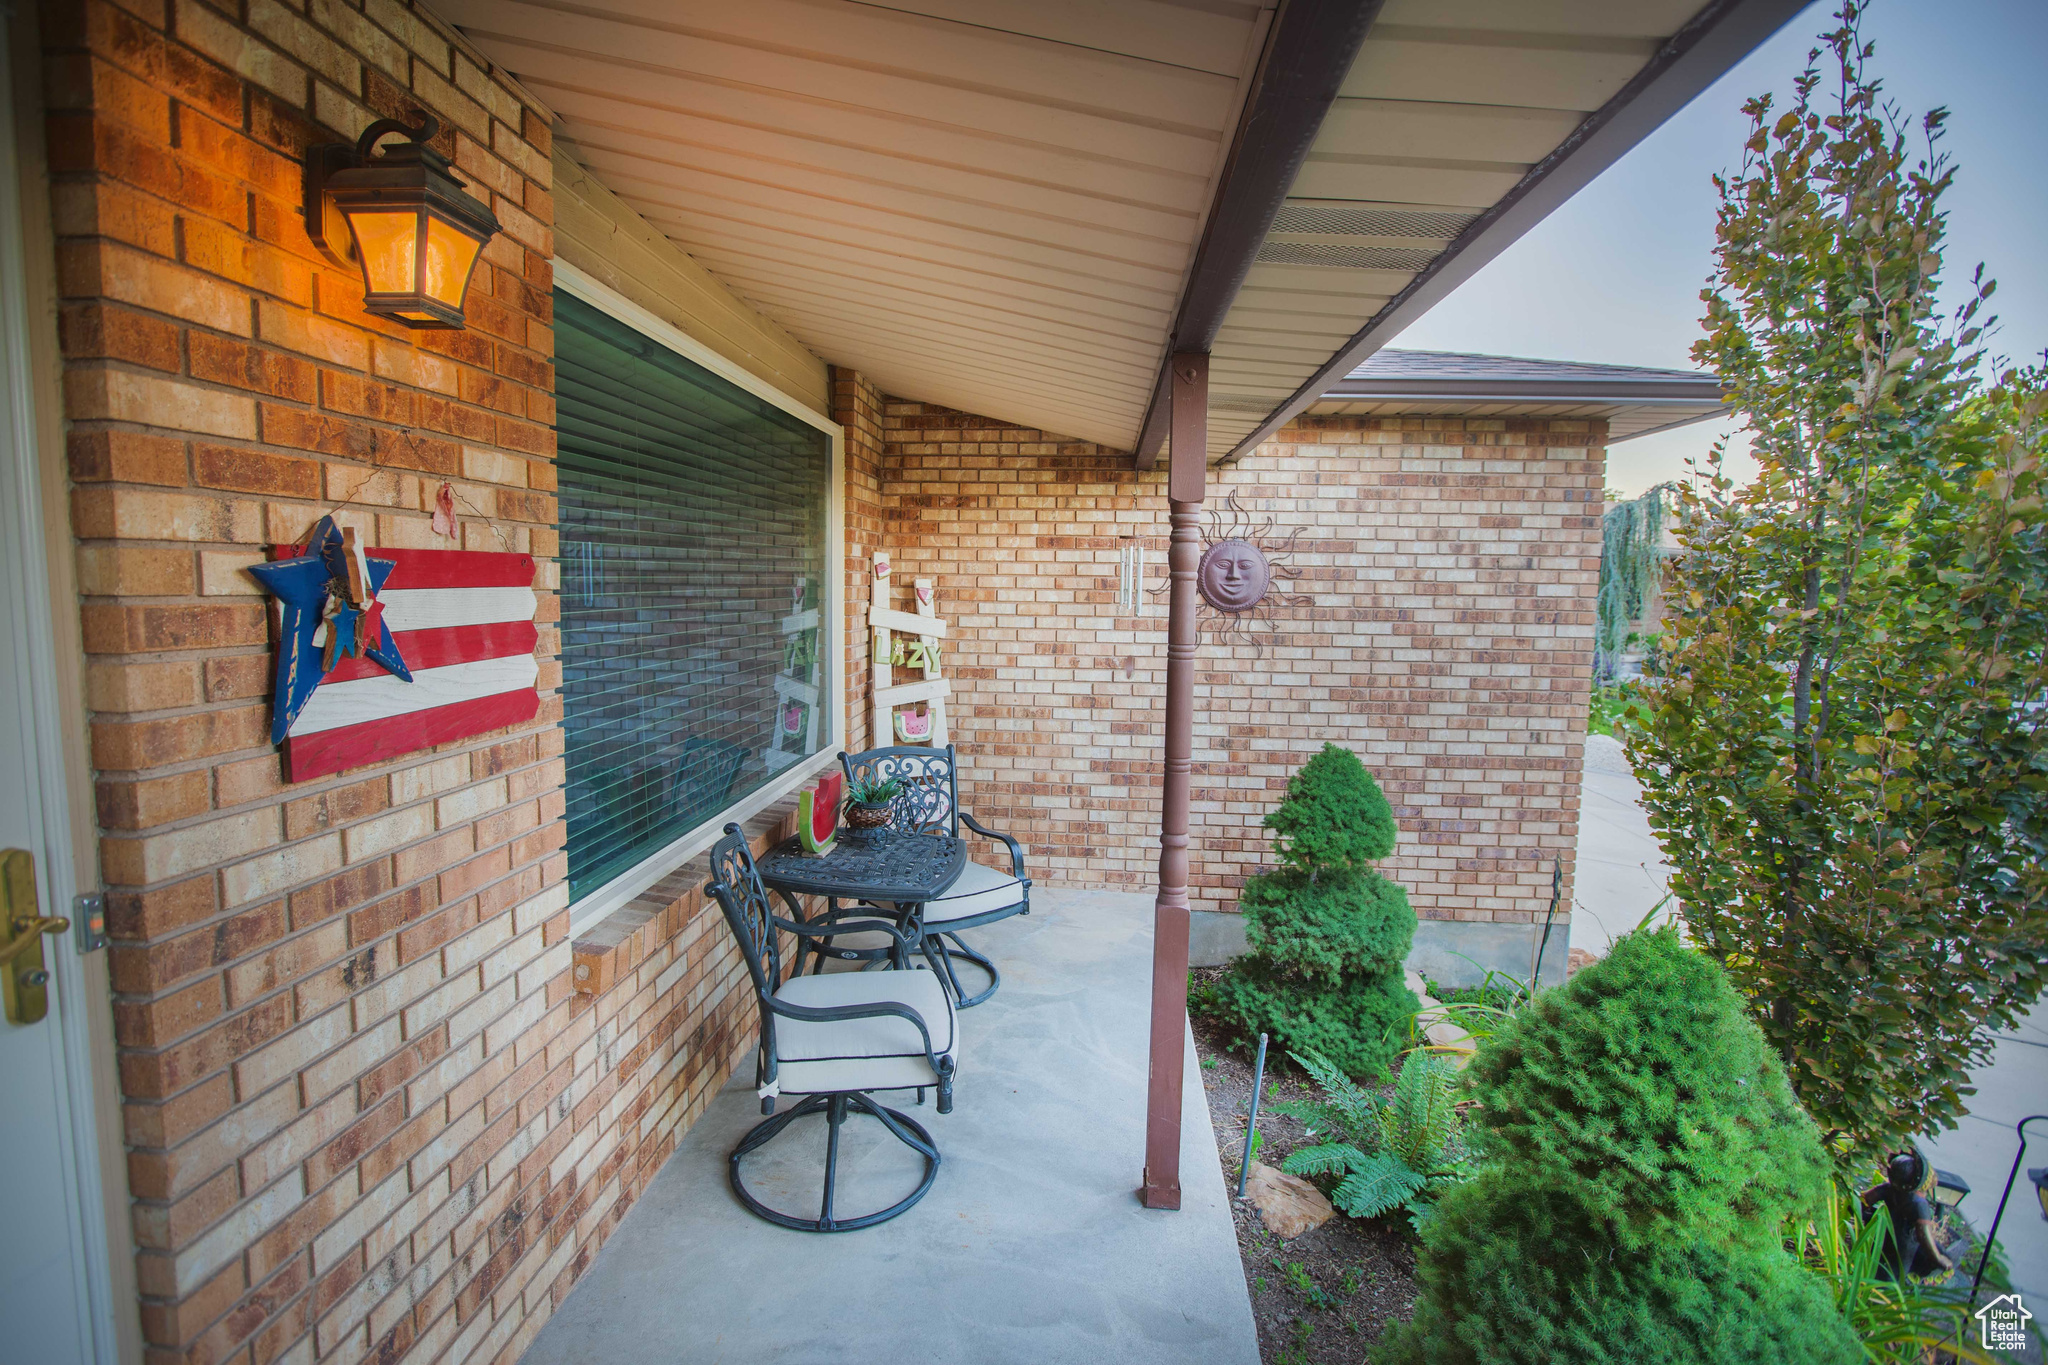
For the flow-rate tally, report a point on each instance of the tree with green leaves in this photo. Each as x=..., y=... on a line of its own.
x=1640, y=1153
x=1844, y=760
x=1327, y=934
x=1630, y=558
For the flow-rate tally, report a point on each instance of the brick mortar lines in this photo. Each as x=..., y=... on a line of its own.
x=1435, y=547
x=299, y=1036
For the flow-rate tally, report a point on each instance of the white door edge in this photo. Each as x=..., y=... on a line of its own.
x=21, y=541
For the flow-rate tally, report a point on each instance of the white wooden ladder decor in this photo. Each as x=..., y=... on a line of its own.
x=923, y=631
x=796, y=685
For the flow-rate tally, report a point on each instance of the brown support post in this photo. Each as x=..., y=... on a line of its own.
x=1186, y=472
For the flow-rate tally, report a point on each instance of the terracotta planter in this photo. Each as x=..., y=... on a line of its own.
x=863, y=817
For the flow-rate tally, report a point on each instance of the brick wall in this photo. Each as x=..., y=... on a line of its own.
x=858, y=405
x=343, y=1007
x=1452, y=564
x=377, y=1106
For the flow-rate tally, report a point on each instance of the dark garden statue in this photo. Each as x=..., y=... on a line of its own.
x=1327, y=933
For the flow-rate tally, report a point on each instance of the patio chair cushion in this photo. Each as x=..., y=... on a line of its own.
x=861, y=1054
x=981, y=888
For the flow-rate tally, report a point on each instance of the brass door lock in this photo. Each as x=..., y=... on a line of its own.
x=24, y=979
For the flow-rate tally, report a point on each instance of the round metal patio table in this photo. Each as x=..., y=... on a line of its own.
x=884, y=866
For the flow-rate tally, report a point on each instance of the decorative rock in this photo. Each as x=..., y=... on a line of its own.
x=1577, y=958
x=1452, y=1040
x=1439, y=1033
x=1289, y=1205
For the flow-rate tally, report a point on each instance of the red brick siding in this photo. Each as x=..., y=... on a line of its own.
x=1452, y=565
x=343, y=1007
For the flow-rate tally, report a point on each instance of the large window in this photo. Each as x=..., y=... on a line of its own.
x=695, y=523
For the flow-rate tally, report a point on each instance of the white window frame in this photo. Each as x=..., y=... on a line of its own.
x=602, y=901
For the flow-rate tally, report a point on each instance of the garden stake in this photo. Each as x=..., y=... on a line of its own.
x=1991, y=1237
x=1244, y=1167
x=1556, y=893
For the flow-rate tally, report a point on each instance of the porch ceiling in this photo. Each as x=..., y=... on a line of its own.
x=996, y=204
x=1461, y=125
x=989, y=204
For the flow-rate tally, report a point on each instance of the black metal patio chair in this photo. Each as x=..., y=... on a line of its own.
x=835, y=1039
x=930, y=800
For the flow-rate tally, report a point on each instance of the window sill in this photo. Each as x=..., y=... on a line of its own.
x=605, y=952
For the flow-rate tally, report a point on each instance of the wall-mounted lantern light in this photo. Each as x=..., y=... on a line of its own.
x=411, y=229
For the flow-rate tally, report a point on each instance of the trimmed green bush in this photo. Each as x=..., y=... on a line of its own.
x=1512, y=1277
x=1358, y=1025
x=1334, y=816
x=1644, y=1087
x=1341, y=924
x=1641, y=1150
x=1326, y=934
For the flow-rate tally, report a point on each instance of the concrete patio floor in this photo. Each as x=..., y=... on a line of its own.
x=1031, y=1245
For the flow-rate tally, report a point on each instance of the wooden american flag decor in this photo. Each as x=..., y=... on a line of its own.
x=462, y=620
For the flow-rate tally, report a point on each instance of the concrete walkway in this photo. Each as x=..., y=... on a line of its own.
x=1622, y=874
x=1031, y=1246
x=1621, y=871
x=2013, y=1085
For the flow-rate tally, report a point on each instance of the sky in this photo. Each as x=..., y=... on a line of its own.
x=1614, y=275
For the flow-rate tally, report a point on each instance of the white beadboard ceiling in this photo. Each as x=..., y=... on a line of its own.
x=1448, y=105
x=993, y=204
x=989, y=204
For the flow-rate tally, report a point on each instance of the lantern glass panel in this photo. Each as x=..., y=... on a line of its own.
x=386, y=241
x=450, y=255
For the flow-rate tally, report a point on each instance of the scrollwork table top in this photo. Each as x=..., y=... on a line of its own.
x=884, y=865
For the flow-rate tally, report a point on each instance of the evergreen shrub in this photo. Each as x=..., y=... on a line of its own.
x=1326, y=934
x=1641, y=1150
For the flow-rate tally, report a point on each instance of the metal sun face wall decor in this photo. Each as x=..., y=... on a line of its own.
x=1234, y=575
x=1243, y=563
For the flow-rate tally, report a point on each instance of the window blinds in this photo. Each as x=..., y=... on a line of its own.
x=694, y=536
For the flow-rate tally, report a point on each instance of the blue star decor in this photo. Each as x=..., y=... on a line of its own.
x=314, y=587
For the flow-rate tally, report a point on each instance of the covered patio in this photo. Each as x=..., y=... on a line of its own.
x=428, y=1053
x=1029, y=1246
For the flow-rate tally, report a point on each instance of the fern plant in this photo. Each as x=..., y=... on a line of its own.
x=1397, y=1153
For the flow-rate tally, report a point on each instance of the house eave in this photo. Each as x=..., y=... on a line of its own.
x=1712, y=42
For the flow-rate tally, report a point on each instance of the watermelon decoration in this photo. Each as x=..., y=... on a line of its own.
x=913, y=727
x=817, y=812
x=793, y=719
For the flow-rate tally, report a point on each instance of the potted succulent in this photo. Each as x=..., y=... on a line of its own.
x=871, y=803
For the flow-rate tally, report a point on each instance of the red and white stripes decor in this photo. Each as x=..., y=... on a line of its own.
x=463, y=620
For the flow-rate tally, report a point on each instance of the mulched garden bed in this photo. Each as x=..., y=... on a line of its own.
x=1325, y=1297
